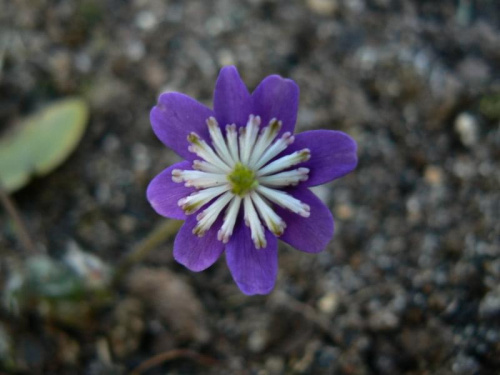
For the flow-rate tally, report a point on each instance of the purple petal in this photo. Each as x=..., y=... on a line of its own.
x=276, y=97
x=254, y=270
x=232, y=102
x=310, y=234
x=163, y=194
x=197, y=253
x=333, y=155
x=174, y=117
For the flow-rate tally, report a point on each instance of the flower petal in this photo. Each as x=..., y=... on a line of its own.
x=197, y=253
x=175, y=117
x=163, y=194
x=232, y=102
x=310, y=234
x=253, y=270
x=333, y=155
x=277, y=97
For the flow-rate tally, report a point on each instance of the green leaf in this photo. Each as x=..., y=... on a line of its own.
x=41, y=142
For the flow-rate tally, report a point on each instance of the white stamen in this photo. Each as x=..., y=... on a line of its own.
x=267, y=135
x=273, y=222
x=285, y=162
x=248, y=135
x=219, y=142
x=278, y=146
x=201, y=165
x=252, y=151
x=232, y=141
x=210, y=214
x=204, y=151
x=229, y=220
x=177, y=175
x=285, y=200
x=252, y=220
x=285, y=178
x=193, y=202
x=199, y=179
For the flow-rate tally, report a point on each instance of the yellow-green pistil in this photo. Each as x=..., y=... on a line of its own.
x=242, y=180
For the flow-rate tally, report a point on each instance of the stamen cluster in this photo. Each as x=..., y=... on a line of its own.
x=242, y=171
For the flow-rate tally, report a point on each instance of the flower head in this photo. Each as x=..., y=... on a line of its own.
x=245, y=179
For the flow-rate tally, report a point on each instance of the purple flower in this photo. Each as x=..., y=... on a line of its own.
x=245, y=179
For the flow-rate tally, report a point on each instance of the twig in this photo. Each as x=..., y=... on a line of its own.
x=172, y=355
x=159, y=235
x=22, y=232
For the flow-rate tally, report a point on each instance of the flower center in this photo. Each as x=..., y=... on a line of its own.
x=243, y=172
x=242, y=180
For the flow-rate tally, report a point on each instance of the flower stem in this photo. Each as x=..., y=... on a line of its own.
x=160, y=234
x=22, y=232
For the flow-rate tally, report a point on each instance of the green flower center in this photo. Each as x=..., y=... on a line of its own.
x=242, y=180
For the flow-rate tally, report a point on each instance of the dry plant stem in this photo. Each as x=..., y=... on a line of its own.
x=159, y=235
x=172, y=355
x=22, y=232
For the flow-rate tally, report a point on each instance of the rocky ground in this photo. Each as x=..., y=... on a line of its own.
x=410, y=283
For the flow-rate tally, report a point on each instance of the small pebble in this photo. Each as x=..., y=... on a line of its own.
x=141, y=157
x=146, y=20
x=257, y=341
x=135, y=50
x=490, y=304
x=329, y=303
x=465, y=365
x=467, y=127
x=323, y=7
x=383, y=320
x=433, y=175
x=275, y=365
x=83, y=62
x=127, y=223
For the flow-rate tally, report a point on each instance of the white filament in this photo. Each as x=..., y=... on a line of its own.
x=256, y=149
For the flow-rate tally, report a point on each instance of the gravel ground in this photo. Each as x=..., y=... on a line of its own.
x=410, y=283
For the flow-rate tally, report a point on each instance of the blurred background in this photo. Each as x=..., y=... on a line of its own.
x=410, y=282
